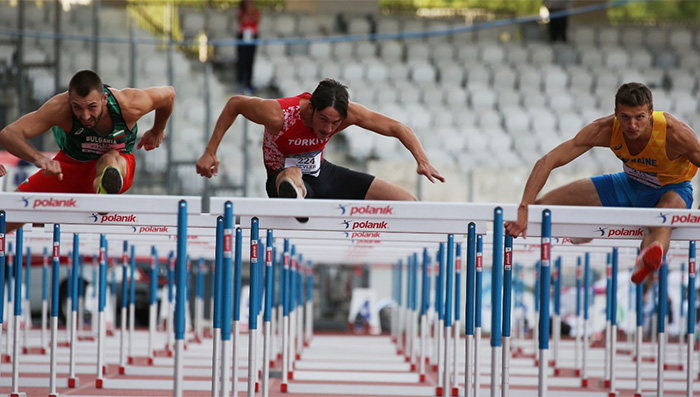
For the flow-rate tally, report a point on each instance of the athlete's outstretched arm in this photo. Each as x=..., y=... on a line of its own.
x=15, y=137
x=267, y=112
x=596, y=133
x=383, y=125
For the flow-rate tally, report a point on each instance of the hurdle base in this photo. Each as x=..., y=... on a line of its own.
x=577, y=372
x=434, y=367
x=584, y=382
x=552, y=363
x=606, y=383
x=18, y=394
x=122, y=370
x=279, y=356
x=109, y=332
x=557, y=372
x=413, y=367
x=290, y=375
x=150, y=360
x=104, y=370
x=297, y=356
x=399, y=352
x=537, y=363
x=673, y=367
x=130, y=360
x=25, y=350
x=612, y=394
x=438, y=391
x=272, y=363
x=283, y=388
x=73, y=382
x=637, y=394
x=6, y=358
x=99, y=383
x=407, y=359
x=421, y=378
x=43, y=350
x=53, y=394
x=455, y=392
x=257, y=387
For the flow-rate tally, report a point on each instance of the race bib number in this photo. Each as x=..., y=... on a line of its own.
x=646, y=178
x=308, y=163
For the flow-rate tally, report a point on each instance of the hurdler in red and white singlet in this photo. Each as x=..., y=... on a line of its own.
x=296, y=144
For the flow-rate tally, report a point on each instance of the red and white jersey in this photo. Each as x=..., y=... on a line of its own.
x=296, y=144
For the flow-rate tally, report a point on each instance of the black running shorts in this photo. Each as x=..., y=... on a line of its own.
x=333, y=182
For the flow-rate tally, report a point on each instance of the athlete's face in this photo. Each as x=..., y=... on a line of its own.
x=635, y=121
x=324, y=122
x=90, y=109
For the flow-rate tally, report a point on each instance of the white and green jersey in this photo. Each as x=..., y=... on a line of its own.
x=84, y=144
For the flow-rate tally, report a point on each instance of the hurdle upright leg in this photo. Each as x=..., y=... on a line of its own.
x=54, y=302
x=662, y=330
x=216, y=310
x=456, y=328
x=425, y=301
x=44, y=299
x=72, y=378
x=236, y=307
x=613, y=321
x=101, y=315
x=267, y=316
x=17, y=315
x=691, y=318
x=469, y=310
x=122, y=310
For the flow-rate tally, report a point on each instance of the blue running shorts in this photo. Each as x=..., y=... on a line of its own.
x=618, y=190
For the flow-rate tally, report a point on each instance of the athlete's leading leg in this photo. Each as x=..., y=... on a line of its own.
x=289, y=183
x=657, y=241
x=581, y=192
x=110, y=172
x=383, y=190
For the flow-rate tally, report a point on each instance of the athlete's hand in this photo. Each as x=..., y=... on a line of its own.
x=50, y=167
x=150, y=140
x=3, y=171
x=426, y=169
x=208, y=165
x=520, y=226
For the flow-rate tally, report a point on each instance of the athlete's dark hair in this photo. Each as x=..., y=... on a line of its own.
x=330, y=93
x=634, y=94
x=84, y=82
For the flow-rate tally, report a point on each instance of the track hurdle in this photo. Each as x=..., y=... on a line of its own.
x=638, y=340
x=448, y=311
x=44, y=299
x=662, y=305
x=252, y=311
x=439, y=294
x=216, y=364
x=17, y=315
x=507, y=291
x=477, y=314
x=54, y=307
x=496, y=299
x=73, y=380
x=123, y=308
x=2, y=273
x=613, y=320
x=469, y=314
x=556, y=316
x=691, y=318
x=425, y=302
x=456, y=328
x=267, y=315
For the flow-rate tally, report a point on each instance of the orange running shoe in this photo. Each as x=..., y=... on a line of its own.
x=648, y=261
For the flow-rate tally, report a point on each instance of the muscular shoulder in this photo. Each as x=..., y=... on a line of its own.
x=597, y=132
x=57, y=111
x=135, y=102
x=679, y=136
